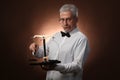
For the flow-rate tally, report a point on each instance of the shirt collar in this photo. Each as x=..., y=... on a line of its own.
x=74, y=30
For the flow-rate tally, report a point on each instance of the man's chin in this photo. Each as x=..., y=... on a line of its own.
x=67, y=30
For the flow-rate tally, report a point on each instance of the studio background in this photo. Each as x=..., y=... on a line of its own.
x=22, y=19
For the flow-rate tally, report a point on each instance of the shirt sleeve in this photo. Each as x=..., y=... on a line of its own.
x=80, y=56
x=40, y=52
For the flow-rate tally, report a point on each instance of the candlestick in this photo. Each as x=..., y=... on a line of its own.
x=46, y=61
x=44, y=45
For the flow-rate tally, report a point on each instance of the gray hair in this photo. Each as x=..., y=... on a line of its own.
x=69, y=7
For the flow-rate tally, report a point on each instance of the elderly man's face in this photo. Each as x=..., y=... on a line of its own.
x=67, y=21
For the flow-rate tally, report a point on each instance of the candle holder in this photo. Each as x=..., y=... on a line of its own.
x=45, y=61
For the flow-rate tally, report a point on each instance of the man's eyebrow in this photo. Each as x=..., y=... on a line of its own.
x=66, y=18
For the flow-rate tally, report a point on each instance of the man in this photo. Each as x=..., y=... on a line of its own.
x=71, y=49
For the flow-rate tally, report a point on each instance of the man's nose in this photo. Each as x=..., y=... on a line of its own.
x=65, y=22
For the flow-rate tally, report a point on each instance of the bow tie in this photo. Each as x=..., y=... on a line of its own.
x=65, y=34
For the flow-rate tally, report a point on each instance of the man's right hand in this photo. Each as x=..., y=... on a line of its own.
x=33, y=47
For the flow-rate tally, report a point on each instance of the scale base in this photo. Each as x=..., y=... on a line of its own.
x=49, y=62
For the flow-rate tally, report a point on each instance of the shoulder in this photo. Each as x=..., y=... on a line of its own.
x=80, y=35
x=55, y=36
x=82, y=39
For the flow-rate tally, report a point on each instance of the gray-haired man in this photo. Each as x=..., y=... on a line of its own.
x=70, y=47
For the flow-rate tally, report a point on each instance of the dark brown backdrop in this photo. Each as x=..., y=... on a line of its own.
x=22, y=19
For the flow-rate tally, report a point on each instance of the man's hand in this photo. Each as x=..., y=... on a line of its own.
x=33, y=47
x=48, y=67
x=36, y=43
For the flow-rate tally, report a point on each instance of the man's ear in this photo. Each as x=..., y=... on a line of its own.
x=76, y=19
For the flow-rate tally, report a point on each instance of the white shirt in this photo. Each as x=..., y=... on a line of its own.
x=71, y=51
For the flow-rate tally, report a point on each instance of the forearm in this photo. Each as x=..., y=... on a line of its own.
x=39, y=52
x=69, y=67
x=80, y=54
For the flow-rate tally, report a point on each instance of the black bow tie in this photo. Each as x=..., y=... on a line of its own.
x=65, y=34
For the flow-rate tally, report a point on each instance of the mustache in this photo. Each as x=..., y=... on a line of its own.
x=64, y=26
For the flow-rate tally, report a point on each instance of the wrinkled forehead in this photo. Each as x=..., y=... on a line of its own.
x=66, y=14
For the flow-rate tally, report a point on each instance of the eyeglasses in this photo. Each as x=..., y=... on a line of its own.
x=65, y=19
